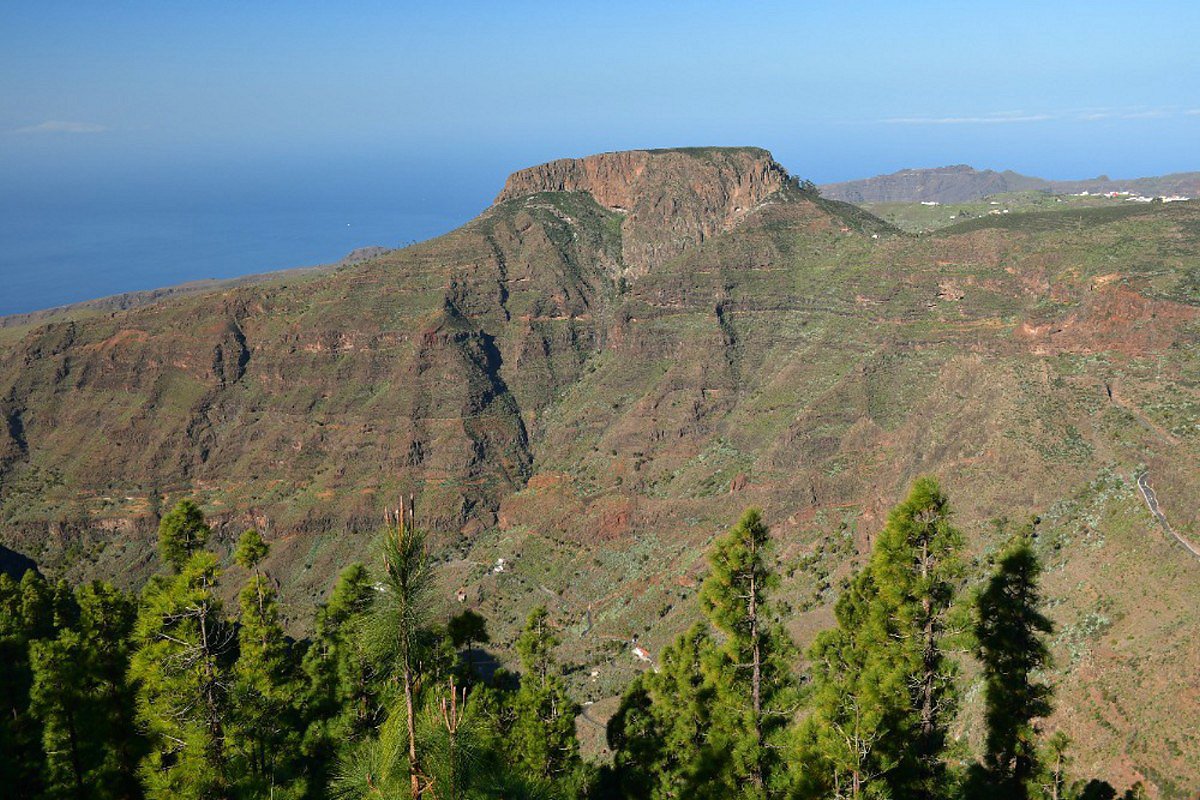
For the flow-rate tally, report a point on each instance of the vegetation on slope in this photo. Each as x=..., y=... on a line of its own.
x=166, y=696
x=586, y=419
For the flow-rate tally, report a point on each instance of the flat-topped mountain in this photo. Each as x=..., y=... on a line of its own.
x=602, y=370
x=961, y=184
x=726, y=178
x=668, y=200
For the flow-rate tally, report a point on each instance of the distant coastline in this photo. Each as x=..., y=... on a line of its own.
x=124, y=301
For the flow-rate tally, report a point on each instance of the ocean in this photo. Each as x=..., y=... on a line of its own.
x=80, y=243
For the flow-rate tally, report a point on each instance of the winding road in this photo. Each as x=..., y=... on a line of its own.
x=1143, y=484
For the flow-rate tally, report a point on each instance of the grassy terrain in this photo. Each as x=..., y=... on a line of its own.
x=921, y=218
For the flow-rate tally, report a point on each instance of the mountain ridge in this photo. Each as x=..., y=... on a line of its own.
x=962, y=183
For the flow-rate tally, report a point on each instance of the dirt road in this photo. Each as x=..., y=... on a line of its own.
x=1143, y=484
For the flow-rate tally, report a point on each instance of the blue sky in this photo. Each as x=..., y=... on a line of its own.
x=463, y=93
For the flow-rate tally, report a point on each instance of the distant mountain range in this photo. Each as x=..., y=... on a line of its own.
x=962, y=184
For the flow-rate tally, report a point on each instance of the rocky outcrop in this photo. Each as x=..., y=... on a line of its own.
x=671, y=199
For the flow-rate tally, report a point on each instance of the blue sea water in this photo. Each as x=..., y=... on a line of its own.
x=94, y=239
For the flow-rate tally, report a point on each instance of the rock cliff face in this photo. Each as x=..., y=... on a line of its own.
x=670, y=199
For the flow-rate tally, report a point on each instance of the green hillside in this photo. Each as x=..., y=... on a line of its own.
x=593, y=392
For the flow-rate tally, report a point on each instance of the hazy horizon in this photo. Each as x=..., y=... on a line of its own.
x=70, y=243
x=395, y=115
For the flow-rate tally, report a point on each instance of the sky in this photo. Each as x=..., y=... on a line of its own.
x=437, y=102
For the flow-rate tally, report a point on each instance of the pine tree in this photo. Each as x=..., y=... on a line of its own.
x=1054, y=765
x=457, y=755
x=251, y=550
x=915, y=567
x=1010, y=631
x=59, y=687
x=543, y=734
x=460, y=758
x=465, y=631
x=1135, y=792
x=403, y=609
x=83, y=700
x=396, y=635
x=340, y=696
x=181, y=666
x=882, y=683
x=181, y=533
x=341, y=703
x=855, y=695
x=710, y=721
x=59, y=698
x=751, y=676
x=265, y=728
x=431, y=742
x=26, y=616
x=377, y=767
x=107, y=619
x=682, y=695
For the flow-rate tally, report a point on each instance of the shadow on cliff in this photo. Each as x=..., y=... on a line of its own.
x=14, y=563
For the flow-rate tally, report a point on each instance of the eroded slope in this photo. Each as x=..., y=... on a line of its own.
x=596, y=375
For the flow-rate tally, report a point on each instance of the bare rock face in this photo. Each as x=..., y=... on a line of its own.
x=671, y=199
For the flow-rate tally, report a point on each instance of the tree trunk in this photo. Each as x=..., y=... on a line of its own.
x=928, y=655
x=414, y=774
x=262, y=616
x=215, y=749
x=76, y=765
x=756, y=681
